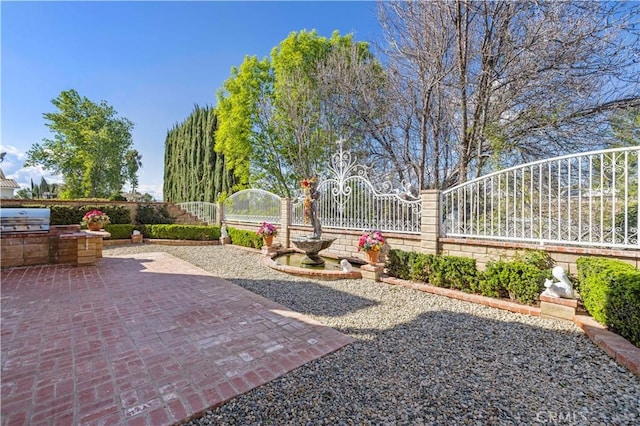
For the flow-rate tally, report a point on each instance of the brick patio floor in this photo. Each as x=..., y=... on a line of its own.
x=140, y=339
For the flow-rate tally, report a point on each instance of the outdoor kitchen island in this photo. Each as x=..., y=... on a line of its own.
x=28, y=239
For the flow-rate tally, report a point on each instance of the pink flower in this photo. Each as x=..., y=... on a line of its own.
x=371, y=241
x=267, y=229
x=95, y=216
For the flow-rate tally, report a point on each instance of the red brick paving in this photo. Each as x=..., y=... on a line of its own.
x=141, y=339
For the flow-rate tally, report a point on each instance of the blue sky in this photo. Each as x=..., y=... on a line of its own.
x=151, y=61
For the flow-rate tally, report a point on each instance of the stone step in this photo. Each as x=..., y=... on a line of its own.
x=182, y=217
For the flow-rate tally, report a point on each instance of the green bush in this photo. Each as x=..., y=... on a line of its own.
x=442, y=271
x=491, y=281
x=65, y=215
x=520, y=281
x=70, y=215
x=610, y=290
x=244, y=238
x=151, y=214
x=538, y=258
x=419, y=266
x=181, y=232
x=397, y=264
x=121, y=231
x=458, y=273
x=527, y=289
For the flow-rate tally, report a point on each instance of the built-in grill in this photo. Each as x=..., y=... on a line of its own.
x=21, y=220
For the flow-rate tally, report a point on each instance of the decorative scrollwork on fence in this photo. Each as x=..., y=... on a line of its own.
x=349, y=199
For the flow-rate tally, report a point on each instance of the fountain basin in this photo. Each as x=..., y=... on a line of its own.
x=311, y=247
x=329, y=272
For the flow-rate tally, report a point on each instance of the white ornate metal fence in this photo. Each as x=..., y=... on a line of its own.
x=252, y=206
x=206, y=212
x=588, y=199
x=348, y=200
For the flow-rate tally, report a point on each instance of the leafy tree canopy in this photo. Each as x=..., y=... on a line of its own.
x=88, y=148
x=276, y=125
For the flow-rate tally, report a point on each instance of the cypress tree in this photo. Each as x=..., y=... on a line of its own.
x=193, y=171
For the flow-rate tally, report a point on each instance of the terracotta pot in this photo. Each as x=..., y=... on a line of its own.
x=94, y=226
x=372, y=256
x=268, y=240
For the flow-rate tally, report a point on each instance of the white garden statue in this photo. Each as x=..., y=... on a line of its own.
x=562, y=288
x=346, y=266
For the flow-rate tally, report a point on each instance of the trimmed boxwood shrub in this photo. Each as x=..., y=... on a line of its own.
x=398, y=265
x=538, y=258
x=181, y=232
x=458, y=273
x=491, y=282
x=121, y=231
x=244, y=238
x=420, y=265
x=442, y=271
x=519, y=280
x=610, y=290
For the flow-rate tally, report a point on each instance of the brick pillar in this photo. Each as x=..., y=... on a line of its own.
x=285, y=220
x=430, y=221
x=86, y=249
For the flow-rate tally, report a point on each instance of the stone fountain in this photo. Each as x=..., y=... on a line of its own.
x=313, y=244
x=311, y=247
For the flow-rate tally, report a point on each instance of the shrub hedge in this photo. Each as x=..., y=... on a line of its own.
x=398, y=264
x=150, y=214
x=458, y=273
x=442, y=271
x=69, y=215
x=244, y=238
x=121, y=231
x=181, y=232
x=521, y=280
x=610, y=290
x=170, y=232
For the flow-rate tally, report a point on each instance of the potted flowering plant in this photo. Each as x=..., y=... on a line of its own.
x=267, y=231
x=371, y=243
x=95, y=220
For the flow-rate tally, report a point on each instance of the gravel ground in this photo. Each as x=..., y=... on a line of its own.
x=419, y=358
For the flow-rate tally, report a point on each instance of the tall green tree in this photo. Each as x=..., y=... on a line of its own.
x=133, y=161
x=88, y=146
x=276, y=114
x=193, y=171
